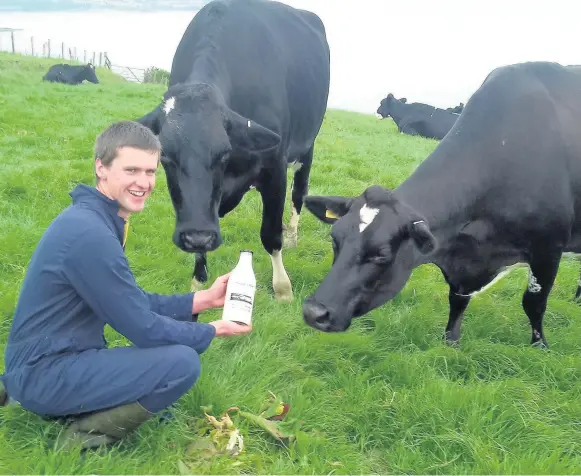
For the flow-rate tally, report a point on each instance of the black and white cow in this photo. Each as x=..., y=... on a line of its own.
x=68, y=74
x=502, y=189
x=417, y=119
x=456, y=109
x=247, y=96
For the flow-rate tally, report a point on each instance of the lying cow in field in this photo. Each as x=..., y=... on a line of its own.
x=457, y=109
x=67, y=74
x=417, y=119
x=503, y=189
x=247, y=95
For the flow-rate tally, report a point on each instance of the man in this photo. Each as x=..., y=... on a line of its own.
x=78, y=280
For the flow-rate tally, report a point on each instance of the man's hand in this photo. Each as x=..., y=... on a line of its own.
x=212, y=297
x=229, y=328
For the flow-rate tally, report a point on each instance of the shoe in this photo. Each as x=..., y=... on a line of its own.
x=103, y=428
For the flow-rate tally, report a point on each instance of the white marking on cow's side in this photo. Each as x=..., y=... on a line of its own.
x=248, y=123
x=280, y=280
x=504, y=272
x=571, y=254
x=533, y=286
x=169, y=105
x=367, y=215
x=503, y=142
x=296, y=166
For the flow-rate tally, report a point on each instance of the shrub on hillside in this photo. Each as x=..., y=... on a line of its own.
x=156, y=75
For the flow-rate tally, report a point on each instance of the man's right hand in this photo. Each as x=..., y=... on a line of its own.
x=229, y=328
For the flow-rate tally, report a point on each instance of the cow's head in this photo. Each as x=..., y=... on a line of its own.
x=198, y=132
x=90, y=74
x=385, y=105
x=377, y=241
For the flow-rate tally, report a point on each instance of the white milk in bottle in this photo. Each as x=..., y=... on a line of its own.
x=240, y=291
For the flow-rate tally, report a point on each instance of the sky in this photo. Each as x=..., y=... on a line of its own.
x=432, y=51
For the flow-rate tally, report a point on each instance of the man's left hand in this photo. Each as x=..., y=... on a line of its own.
x=211, y=297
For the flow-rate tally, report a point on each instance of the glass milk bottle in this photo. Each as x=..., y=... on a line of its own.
x=240, y=291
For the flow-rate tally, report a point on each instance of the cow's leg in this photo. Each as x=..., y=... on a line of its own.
x=458, y=305
x=300, y=188
x=542, y=273
x=272, y=188
x=200, y=275
x=578, y=292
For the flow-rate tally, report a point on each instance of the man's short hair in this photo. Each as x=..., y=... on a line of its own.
x=124, y=134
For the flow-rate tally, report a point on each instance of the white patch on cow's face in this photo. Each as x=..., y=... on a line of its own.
x=169, y=105
x=533, y=286
x=367, y=215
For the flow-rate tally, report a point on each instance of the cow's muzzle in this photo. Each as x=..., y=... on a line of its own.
x=318, y=316
x=198, y=241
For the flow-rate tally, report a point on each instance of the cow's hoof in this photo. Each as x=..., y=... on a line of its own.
x=196, y=285
x=290, y=239
x=282, y=297
x=284, y=292
x=453, y=343
x=540, y=345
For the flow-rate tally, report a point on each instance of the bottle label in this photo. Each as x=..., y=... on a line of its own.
x=241, y=297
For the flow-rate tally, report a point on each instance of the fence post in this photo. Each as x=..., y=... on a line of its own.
x=93, y=63
x=63, y=49
x=12, y=35
x=44, y=49
x=48, y=47
x=32, y=44
x=85, y=57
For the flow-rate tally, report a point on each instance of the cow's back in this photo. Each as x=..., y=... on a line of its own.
x=262, y=53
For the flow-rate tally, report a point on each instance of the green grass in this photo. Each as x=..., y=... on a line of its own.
x=386, y=397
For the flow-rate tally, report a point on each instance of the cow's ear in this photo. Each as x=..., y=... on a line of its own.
x=422, y=236
x=249, y=135
x=328, y=209
x=152, y=120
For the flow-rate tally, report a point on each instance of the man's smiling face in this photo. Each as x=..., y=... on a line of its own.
x=129, y=179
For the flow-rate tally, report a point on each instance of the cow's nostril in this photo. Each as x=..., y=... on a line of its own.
x=316, y=315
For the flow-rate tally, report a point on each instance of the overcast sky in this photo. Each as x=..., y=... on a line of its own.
x=434, y=51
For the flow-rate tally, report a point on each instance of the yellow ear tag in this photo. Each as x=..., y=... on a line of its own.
x=125, y=232
x=330, y=214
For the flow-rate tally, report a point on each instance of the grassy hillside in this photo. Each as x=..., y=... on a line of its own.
x=386, y=397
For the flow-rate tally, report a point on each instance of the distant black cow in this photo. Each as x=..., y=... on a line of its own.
x=417, y=118
x=502, y=189
x=247, y=95
x=67, y=74
x=457, y=109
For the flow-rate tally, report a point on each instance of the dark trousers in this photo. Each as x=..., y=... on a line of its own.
x=99, y=379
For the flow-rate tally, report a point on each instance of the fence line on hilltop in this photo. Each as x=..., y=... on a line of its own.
x=29, y=46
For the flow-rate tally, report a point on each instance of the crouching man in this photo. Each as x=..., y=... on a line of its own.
x=78, y=280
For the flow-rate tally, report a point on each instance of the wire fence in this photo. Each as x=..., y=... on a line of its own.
x=14, y=40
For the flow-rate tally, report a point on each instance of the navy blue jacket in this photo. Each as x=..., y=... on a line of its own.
x=79, y=279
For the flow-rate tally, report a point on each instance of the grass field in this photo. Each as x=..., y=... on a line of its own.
x=388, y=396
